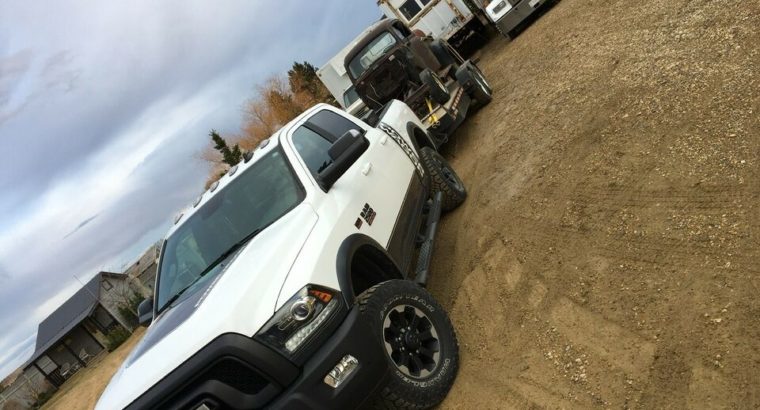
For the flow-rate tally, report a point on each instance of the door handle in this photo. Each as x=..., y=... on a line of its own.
x=367, y=167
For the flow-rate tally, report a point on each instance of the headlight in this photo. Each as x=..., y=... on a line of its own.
x=302, y=317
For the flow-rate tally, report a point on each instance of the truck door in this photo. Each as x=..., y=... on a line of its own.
x=368, y=197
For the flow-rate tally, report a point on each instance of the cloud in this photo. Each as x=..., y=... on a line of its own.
x=57, y=72
x=13, y=69
x=81, y=225
x=103, y=107
x=22, y=348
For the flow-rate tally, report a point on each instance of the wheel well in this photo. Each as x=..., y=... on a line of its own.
x=369, y=266
x=420, y=138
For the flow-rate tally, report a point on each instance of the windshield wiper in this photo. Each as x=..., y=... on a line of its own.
x=232, y=249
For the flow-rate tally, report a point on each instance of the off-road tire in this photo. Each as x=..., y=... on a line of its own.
x=402, y=391
x=443, y=178
x=438, y=91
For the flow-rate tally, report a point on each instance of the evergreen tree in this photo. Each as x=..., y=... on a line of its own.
x=230, y=156
x=303, y=79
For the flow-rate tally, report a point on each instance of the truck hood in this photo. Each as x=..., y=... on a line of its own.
x=241, y=298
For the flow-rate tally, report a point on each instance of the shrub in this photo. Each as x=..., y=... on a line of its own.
x=42, y=398
x=116, y=337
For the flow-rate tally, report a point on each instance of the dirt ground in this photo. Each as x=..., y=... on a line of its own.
x=608, y=254
x=82, y=391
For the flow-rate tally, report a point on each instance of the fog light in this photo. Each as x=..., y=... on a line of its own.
x=341, y=371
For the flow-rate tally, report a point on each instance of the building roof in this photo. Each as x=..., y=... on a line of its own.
x=67, y=316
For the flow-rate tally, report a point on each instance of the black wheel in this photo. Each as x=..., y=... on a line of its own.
x=419, y=343
x=483, y=92
x=443, y=178
x=438, y=90
x=478, y=88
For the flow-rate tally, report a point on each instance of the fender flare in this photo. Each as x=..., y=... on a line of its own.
x=411, y=127
x=346, y=252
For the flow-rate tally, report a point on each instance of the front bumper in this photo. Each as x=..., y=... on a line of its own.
x=354, y=337
x=238, y=372
x=518, y=14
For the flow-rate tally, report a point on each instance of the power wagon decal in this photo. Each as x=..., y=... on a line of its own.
x=368, y=214
x=408, y=150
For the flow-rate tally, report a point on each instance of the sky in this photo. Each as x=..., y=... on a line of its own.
x=104, y=109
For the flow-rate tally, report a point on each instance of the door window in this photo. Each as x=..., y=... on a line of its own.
x=410, y=8
x=413, y=7
x=312, y=147
x=331, y=125
x=313, y=139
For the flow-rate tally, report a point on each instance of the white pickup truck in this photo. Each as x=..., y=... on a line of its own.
x=297, y=280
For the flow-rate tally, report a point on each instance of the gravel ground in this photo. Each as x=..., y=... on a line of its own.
x=609, y=252
x=82, y=391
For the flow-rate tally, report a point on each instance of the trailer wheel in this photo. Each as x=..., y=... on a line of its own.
x=470, y=76
x=438, y=90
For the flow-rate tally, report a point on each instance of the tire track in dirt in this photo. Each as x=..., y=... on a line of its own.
x=607, y=254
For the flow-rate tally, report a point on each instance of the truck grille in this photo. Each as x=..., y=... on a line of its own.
x=237, y=375
x=231, y=372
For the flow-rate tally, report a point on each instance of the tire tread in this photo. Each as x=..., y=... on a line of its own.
x=451, y=197
x=415, y=399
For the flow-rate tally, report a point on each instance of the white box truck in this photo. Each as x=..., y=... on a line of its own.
x=452, y=20
x=457, y=21
x=333, y=75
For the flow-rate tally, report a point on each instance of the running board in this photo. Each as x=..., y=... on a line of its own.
x=426, y=249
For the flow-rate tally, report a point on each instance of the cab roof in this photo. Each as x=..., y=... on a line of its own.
x=366, y=37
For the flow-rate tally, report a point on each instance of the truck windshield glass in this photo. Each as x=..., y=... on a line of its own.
x=350, y=96
x=262, y=194
x=371, y=53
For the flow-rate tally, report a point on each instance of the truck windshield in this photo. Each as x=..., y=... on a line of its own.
x=371, y=53
x=262, y=194
x=350, y=96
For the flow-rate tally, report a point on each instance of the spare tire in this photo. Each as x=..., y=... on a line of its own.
x=438, y=91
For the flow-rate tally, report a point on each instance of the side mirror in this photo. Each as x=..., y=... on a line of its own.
x=145, y=312
x=343, y=152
